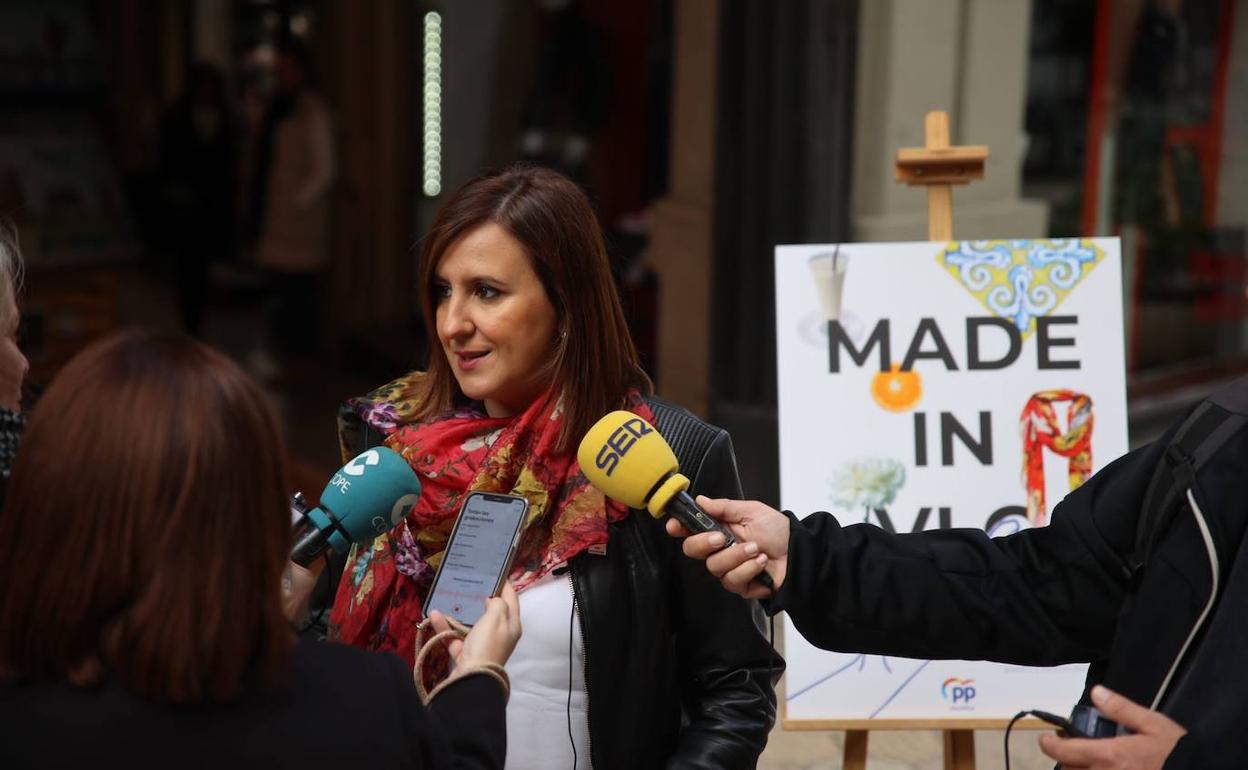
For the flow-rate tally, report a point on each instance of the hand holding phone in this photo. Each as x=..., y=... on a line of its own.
x=477, y=556
x=492, y=639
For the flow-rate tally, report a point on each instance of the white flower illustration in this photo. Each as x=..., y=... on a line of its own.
x=870, y=482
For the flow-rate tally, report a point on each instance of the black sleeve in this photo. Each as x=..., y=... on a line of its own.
x=465, y=725
x=1042, y=596
x=1219, y=746
x=1189, y=754
x=729, y=666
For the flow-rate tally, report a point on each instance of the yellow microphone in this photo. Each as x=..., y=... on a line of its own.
x=626, y=459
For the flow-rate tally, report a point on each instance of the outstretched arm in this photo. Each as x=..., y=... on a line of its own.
x=1042, y=597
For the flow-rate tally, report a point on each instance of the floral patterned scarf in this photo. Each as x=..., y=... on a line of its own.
x=1038, y=424
x=383, y=587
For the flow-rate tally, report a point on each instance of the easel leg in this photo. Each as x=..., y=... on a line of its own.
x=940, y=212
x=855, y=750
x=959, y=750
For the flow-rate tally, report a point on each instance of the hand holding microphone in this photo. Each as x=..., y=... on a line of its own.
x=626, y=458
x=298, y=583
x=367, y=497
x=761, y=548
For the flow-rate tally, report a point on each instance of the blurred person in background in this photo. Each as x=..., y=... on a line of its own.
x=13, y=364
x=199, y=163
x=633, y=656
x=293, y=170
x=145, y=532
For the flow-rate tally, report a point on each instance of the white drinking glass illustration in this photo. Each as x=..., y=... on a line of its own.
x=828, y=268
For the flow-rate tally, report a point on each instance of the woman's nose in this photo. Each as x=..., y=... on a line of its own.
x=454, y=320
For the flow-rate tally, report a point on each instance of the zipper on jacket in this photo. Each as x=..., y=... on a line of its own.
x=589, y=698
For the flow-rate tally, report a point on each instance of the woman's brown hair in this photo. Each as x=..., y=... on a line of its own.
x=145, y=527
x=593, y=360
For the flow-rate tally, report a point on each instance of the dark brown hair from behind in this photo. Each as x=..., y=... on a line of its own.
x=594, y=361
x=146, y=527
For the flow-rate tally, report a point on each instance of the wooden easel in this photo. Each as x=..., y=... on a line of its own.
x=938, y=167
x=959, y=748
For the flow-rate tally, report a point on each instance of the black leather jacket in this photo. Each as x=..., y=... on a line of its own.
x=680, y=672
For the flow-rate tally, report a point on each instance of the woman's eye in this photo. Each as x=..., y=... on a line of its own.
x=485, y=291
x=441, y=290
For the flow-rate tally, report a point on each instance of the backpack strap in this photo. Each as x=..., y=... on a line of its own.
x=1210, y=425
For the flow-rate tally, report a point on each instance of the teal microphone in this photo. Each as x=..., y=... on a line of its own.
x=367, y=497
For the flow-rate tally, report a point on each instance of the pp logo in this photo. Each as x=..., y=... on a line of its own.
x=958, y=691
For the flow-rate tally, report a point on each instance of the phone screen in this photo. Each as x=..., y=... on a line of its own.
x=478, y=555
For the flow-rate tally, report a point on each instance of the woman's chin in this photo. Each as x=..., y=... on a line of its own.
x=471, y=390
x=477, y=395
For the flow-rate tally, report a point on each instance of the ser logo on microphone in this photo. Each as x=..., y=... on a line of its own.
x=619, y=442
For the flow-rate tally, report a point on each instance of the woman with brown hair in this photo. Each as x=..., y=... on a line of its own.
x=634, y=658
x=143, y=538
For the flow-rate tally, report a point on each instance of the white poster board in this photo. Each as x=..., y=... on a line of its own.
x=982, y=331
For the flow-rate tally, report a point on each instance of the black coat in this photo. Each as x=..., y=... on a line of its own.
x=1064, y=593
x=343, y=708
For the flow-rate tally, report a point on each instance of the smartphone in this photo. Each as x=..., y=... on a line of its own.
x=478, y=556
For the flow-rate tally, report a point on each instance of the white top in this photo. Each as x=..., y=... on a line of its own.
x=537, y=714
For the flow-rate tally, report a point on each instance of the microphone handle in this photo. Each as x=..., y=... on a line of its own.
x=310, y=542
x=696, y=520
